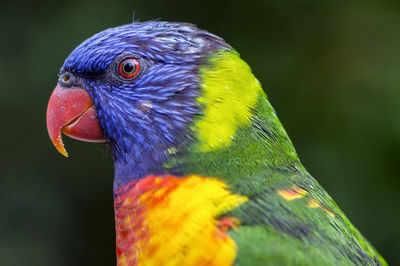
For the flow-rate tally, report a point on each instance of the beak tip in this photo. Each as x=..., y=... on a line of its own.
x=64, y=152
x=58, y=143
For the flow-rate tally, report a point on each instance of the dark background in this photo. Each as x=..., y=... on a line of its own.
x=330, y=68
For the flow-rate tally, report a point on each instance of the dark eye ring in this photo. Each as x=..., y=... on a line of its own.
x=129, y=67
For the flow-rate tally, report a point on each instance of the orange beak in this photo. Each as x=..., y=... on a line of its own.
x=71, y=111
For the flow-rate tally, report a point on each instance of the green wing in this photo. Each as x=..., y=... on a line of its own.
x=307, y=230
x=289, y=218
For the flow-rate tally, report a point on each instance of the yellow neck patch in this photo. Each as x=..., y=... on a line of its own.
x=174, y=221
x=229, y=91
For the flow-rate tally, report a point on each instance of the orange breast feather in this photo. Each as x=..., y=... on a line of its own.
x=174, y=221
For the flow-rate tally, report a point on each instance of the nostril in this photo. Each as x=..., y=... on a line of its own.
x=66, y=80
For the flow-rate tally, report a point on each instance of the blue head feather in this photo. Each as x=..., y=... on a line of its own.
x=142, y=118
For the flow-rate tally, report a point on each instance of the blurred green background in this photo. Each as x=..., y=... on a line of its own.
x=330, y=68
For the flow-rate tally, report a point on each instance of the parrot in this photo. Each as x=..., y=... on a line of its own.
x=204, y=172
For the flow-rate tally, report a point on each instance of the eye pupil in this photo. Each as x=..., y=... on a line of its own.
x=129, y=68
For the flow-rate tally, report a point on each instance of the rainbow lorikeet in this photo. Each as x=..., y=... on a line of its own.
x=205, y=174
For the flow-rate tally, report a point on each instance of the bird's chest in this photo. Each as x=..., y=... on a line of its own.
x=171, y=221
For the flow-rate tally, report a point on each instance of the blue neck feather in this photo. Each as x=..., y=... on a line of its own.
x=142, y=124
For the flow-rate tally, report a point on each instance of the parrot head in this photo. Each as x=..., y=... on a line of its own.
x=134, y=87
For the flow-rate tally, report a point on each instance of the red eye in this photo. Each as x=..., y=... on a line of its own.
x=129, y=68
